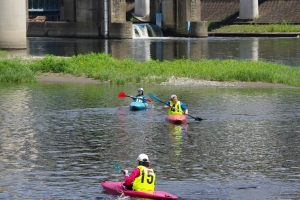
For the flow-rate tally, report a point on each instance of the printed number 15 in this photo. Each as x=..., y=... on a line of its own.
x=149, y=176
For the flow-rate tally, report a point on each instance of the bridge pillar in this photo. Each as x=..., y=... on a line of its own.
x=248, y=9
x=13, y=20
x=118, y=27
x=178, y=15
x=155, y=7
x=198, y=28
x=168, y=16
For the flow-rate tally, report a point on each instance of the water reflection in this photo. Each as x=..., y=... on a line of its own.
x=177, y=137
x=279, y=50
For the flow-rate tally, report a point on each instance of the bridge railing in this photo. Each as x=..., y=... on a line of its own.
x=43, y=5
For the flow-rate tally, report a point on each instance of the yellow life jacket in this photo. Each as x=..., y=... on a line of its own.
x=145, y=181
x=178, y=109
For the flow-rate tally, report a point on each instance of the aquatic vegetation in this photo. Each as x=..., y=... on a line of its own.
x=108, y=69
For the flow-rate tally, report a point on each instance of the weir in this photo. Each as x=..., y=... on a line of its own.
x=146, y=31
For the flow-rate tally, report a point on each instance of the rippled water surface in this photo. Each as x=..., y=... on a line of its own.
x=58, y=141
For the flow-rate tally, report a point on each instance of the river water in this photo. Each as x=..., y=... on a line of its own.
x=58, y=140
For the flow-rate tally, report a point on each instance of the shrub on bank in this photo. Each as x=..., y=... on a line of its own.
x=15, y=70
x=105, y=68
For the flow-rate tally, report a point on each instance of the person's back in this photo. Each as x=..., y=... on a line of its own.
x=142, y=178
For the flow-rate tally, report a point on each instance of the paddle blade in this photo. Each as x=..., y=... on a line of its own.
x=122, y=95
x=117, y=168
x=155, y=98
x=196, y=118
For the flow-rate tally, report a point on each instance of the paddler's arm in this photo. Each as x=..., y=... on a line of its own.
x=133, y=98
x=128, y=179
x=184, y=109
x=167, y=105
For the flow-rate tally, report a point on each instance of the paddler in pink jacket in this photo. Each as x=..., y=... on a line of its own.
x=142, y=178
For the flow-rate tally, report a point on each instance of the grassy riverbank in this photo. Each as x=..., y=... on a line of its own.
x=254, y=28
x=105, y=68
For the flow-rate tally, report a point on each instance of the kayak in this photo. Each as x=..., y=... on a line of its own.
x=176, y=119
x=117, y=188
x=138, y=106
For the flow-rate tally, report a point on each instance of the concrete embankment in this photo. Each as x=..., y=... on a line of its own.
x=63, y=29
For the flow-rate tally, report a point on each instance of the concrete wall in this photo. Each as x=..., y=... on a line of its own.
x=121, y=30
x=89, y=11
x=63, y=29
x=68, y=11
x=13, y=24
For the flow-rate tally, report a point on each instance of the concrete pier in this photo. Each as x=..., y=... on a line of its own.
x=198, y=28
x=13, y=15
x=177, y=14
x=142, y=10
x=168, y=23
x=248, y=9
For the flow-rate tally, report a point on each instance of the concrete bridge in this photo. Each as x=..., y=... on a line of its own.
x=106, y=18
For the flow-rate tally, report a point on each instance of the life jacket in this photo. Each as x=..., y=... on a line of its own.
x=178, y=109
x=145, y=181
x=139, y=98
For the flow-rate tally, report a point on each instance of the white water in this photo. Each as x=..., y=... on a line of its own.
x=146, y=31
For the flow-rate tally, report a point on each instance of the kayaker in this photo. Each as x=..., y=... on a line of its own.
x=140, y=97
x=175, y=107
x=142, y=178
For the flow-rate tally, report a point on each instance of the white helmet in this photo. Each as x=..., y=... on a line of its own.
x=140, y=89
x=173, y=96
x=143, y=158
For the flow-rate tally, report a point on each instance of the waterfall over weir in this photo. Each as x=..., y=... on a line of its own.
x=146, y=31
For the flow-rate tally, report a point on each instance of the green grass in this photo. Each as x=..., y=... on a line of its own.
x=15, y=71
x=105, y=68
x=3, y=54
x=254, y=28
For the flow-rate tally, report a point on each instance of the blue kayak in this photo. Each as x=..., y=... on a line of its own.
x=138, y=106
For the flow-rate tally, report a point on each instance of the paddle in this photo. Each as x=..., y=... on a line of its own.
x=152, y=96
x=122, y=95
x=117, y=168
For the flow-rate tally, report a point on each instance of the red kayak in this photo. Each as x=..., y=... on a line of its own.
x=117, y=188
x=176, y=119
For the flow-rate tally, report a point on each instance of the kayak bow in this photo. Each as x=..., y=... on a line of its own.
x=138, y=106
x=176, y=119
